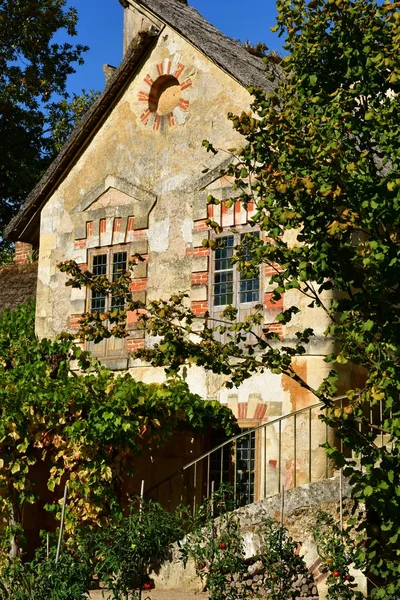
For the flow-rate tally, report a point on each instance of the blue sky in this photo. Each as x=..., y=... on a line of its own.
x=101, y=21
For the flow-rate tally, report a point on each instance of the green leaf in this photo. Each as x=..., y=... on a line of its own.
x=16, y=468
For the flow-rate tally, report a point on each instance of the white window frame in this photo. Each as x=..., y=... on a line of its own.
x=236, y=274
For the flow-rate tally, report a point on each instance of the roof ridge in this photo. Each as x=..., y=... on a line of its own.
x=227, y=53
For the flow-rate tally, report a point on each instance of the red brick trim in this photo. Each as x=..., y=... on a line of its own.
x=272, y=270
x=138, y=285
x=186, y=84
x=89, y=229
x=200, y=225
x=201, y=251
x=144, y=117
x=200, y=278
x=179, y=70
x=132, y=316
x=276, y=328
x=75, y=321
x=143, y=96
x=148, y=80
x=270, y=303
x=134, y=345
x=260, y=411
x=242, y=410
x=199, y=308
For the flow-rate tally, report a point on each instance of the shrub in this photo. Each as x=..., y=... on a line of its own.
x=131, y=547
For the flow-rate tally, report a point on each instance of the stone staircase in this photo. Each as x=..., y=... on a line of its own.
x=176, y=582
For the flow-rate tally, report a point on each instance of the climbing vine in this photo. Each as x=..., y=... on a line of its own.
x=83, y=427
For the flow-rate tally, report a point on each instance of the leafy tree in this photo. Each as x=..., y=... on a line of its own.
x=321, y=162
x=85, y=427
x=64, y=115
x=33, y=74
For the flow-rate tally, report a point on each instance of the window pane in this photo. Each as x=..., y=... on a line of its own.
x=227, y=248
x=118, y=268
x=119, y=265
x=100, y=264
x=249, y=288
x=223, y=273
x=245, y=468
x=98, y=302
x=223, y=264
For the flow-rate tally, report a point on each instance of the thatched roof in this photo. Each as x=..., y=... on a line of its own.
x=247, y=69
x=17, y=284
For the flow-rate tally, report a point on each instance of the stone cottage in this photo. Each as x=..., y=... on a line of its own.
x=129, y=180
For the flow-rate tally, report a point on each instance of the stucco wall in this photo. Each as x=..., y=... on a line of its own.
x=140, y=180
x=165, y=163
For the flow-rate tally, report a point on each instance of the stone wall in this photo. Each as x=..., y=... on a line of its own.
x=301, y=506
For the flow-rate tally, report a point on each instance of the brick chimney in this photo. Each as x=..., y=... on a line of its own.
x=22, y=253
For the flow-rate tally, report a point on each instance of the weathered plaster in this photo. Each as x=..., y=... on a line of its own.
x=128, y=167
x=159, y=235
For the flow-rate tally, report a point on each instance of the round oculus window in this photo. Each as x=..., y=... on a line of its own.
x=165, y=94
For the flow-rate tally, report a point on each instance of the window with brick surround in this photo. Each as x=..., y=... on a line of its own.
x=111, y=262
x=229, y=286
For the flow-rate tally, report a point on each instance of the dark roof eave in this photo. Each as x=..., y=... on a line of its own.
x=23, y=226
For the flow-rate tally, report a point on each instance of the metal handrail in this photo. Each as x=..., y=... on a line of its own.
x=248, y=432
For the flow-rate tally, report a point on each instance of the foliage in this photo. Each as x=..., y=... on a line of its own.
x=44, y=578
x=82, y=427
x=64, y=115
x=216, y=546
x=321, y=163
x=122, y=556
x=281, y=560
x=34, y=68
x=131, y=547
x=336, y=550
x=217, y=549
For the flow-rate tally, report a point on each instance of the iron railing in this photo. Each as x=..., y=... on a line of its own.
x=283, y=453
